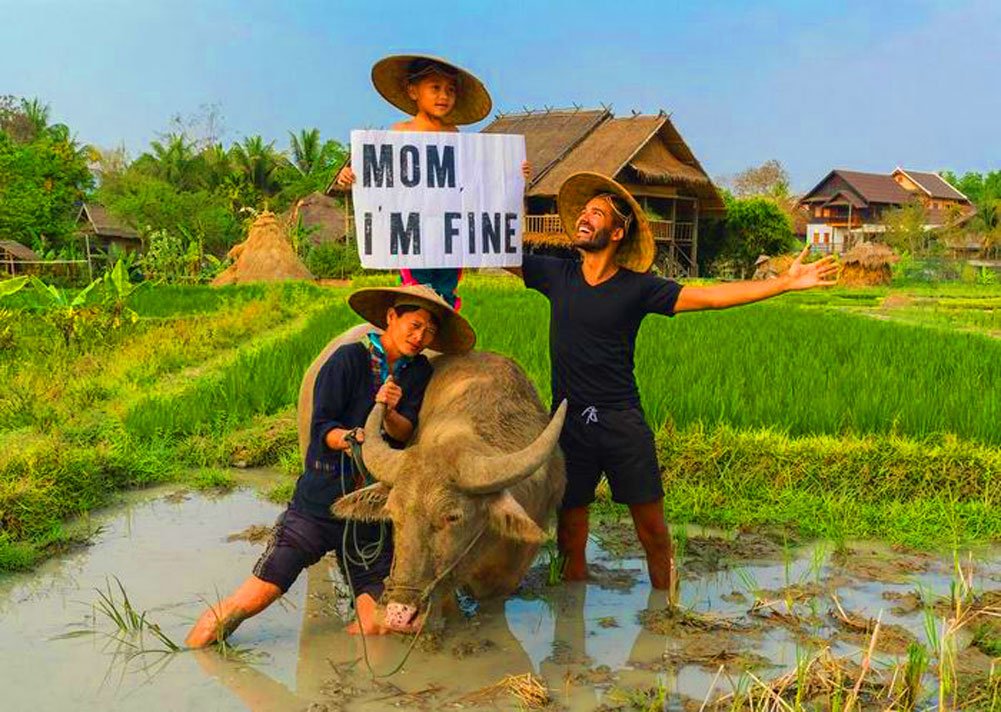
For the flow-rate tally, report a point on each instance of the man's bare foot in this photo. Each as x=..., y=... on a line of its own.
x=579, y=572
x=368, y=619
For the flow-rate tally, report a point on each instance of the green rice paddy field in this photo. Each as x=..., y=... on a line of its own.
x=844, y=414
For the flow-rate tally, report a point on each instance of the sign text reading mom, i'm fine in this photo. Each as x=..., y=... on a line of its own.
x=437, y=199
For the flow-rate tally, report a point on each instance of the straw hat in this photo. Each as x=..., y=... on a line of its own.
x=455, y=335
x=637, y=249
x=391, y=76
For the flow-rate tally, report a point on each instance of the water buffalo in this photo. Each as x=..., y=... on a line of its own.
x=470, y=496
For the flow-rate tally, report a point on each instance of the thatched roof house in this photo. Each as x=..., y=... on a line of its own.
x=323, y=217
x=265, y=256
x=645, y=153
x=867, y=263
x=101, y=229
x=13, y=254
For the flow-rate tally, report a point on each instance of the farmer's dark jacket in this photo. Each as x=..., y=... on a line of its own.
x=343, y=396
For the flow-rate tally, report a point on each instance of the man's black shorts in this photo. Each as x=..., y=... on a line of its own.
x=299, y=540
x=616, y=443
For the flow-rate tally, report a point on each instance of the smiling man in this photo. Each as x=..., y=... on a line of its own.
x=597, y=304
x=387, y=368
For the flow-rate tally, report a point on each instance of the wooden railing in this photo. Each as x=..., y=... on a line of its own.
x=667, y=231
x=544, y=224
x=680, y=232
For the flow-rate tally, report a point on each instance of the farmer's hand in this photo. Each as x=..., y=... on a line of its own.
x=390, y=394
x=345, y=177
x=359, y=436
x=526, y=170
x=822, y=273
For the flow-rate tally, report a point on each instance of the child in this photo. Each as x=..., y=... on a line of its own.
x=439, y=96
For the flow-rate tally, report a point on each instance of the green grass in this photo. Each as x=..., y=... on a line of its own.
x=931, y=492
x=804, y=412
x=805, y=371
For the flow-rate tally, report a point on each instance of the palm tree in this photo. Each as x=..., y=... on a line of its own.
x=307, y=151
x=37, y=115
x=257, y=163
x=176, y=161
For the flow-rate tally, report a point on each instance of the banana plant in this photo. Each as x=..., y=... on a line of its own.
x=9, y=287
x=64, y=312
x=117, y=291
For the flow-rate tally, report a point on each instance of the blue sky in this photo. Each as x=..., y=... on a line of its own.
x=816, y=85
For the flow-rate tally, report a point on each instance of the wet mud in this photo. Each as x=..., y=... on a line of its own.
x=748, y=603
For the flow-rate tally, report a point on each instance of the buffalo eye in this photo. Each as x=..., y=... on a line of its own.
x=453, y=517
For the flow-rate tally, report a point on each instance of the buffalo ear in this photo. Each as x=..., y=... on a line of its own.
x=366, y=505
x=508, y=519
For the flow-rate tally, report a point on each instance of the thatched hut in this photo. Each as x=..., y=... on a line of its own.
x=14, y=257
x=645, y=153
x=265, y=256
x=101, y=230
x=868, y=263
x=322, y=216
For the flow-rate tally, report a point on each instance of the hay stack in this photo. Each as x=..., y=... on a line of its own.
x=265, y=256
x=868, y=263
x=766, y=267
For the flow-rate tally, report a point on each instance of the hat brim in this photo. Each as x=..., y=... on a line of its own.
x=472, y=101
x=454, y=336
x=637, y=249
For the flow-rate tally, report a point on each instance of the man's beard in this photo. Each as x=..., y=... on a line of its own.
x=596, y=243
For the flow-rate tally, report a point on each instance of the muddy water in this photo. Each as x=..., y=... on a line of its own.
x=586, y=641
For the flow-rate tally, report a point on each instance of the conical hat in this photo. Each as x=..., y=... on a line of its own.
x=637, y=249
x=455, y=335
x=391, y=76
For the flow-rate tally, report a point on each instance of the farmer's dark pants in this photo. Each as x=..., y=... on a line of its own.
x=616, y=443
x=299, y=540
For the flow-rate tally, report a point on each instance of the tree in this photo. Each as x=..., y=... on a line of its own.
x=981, y=189
x=770, y=180
x=306, y=150
x=905, y=228
x=257, y=163
x=44, y=175
x=176, y=161
x=754, y=226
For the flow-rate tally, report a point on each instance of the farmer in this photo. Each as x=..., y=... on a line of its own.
x=596, y=306
x=439, y=96
x=385, y=368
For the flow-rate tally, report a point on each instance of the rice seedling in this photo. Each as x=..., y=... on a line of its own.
x=555, y=562
x=131, y=623
x=679, y=538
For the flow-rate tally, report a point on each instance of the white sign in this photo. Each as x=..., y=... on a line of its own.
x=425, y=200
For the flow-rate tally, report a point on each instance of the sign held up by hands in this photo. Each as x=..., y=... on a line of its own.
x=426, y=200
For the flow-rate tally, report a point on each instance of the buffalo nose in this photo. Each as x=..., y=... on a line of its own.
x=398, y=615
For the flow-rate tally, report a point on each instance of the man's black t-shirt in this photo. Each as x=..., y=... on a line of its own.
x=592, y=330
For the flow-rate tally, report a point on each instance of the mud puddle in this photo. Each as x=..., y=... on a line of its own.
x=746, y=602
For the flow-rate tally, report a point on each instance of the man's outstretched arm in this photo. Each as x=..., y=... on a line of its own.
x=821, y=273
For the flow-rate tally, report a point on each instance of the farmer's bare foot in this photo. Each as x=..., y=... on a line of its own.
x=368, y=620
x=216, y=624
